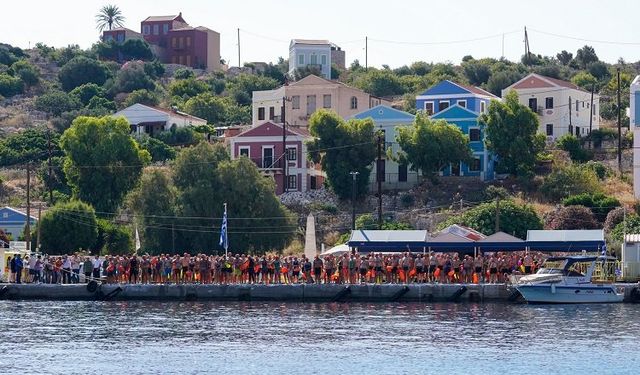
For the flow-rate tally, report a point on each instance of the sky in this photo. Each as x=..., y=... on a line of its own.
x=399, y=32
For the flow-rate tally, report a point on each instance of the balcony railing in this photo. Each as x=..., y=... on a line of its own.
x=268, y=163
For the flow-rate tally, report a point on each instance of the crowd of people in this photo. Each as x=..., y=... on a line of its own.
x=273, y=269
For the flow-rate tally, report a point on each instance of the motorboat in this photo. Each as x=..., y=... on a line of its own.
x=572, y=279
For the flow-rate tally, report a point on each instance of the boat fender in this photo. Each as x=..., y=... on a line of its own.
x=92, y=286
x=458, y=293
x=553, y=288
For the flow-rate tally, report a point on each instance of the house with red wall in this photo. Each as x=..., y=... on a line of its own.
x=263, y=144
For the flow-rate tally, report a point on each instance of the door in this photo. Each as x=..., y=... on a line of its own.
x=312, y=183
x=402, y=173
x=455, y=169
x=311, y=104
x=267, y=157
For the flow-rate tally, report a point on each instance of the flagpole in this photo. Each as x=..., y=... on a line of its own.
x=224, y=239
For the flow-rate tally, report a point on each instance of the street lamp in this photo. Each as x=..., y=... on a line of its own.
x=354, y=176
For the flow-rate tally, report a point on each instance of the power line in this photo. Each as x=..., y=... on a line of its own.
x=584, y=39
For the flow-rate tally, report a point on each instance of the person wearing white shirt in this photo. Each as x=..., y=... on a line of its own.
x=97, y=263
x=66, y=270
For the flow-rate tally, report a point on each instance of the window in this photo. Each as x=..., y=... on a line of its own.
x=323, y=59
x=548, y=103
x=146, y=30
x=260, y=113
x=577, y=131
x=474, y=135
x=174, y=42
x=380, y=171
x=326, y=101
x=570, y=129
x=181, y=42
x=5, y=215
x=188, y=62
x=428, y=108
x=594, y=109
x=354, y=102
x=300, y=59
x=311, y=104
x=173, y=60
x=475, y=165
x=402, y=173
x=483, y=107
x=442, y=105
x=533, y=104
x=313, y=59
x=292, y=182
x=180, y=60
x=120, y=37
x=550, y=129
x=577, y=102
x=272, y=113
x=165, y=28
x=292, y=153
x=267, y=157
x=583, y=104
x=295, y=102
x=188, y=41
x=156, y=29
x=462, y=103
x=244, y=151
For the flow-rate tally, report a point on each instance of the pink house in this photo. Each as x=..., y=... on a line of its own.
x=263, y=144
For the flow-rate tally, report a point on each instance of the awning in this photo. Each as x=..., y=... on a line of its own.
x=566, y=240
x=501, y=241
x=388, y=240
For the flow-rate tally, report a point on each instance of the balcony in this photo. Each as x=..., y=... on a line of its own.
x=268, y=163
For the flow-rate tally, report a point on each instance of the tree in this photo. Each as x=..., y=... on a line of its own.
x=28, y=73
x=428, y=146
x=187, y=88
x=136, y=49
x=584, y=80
x=68, y=227
x=184, y=73
x=206, y=106
x=27, y=145
x=614, y=217
x=380, y=83
x=477, y=72
x=133, y=77
x=598, y=203
x=158, y=150
x=109, y=16
x=571, y=144
x=179, y=136
x=103, y=162
x=10, y=86
x=585, y=56
x=154, y=203
x=501, y=80
x=569, y=180
x=571, y=217
x=113, y=239
x=142, y=96
x=511, y=133
x=514, y=219
x=564, y=57
x=599, y=70
x=84, y=93
x=342, y=147
x=81, y=70
x=103, y=106
x=56, y=102
x=630, y=225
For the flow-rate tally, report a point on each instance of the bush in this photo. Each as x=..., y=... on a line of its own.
x=103, y=106
x=407, y=200
x=28, y=73
x=569, y=180
x=57, y=102
x=159, y=150
x=136, y=49
x=10, y=86
x=571, y=217
x=113, y=238
x=68, y=227
x=602, y=134
x=181, y=136
x=628, y=226
x=614, y=217
x=143, y=96
x=187, y=88
x=84, y=93
x=81, y=70
x=514, y=219
x=571, y=144
x=600, y=169
x=184, y=73
x=132, y=77
x=598, y=203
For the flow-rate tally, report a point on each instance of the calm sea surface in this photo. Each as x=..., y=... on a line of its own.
x=291, y=338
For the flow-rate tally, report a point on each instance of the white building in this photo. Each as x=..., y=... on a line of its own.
x=562, y=107
x=316, y=54
x=634, y=121
x=151, y=120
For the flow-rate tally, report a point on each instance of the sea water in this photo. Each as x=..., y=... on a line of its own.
x=317, y=338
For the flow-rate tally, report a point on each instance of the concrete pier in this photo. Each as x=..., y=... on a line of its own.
x=290, y=293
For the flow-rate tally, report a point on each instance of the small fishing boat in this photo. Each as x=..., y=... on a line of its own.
x=572, y=279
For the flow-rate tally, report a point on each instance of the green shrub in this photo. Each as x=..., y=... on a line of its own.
x=569, y=180
x=159, y=150
x=183, y=73
x=57, y=102
x=630, y=225
x=571, y=217
x=407, y=200
x=598, y=203
x=599, y=168
x=28, y=73
x=571, y=144
x=10, y=86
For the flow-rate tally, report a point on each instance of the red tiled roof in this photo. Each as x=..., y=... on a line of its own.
x=475, y=90
x=562, y=83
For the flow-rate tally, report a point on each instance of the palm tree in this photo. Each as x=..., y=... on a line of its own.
x=109, y=16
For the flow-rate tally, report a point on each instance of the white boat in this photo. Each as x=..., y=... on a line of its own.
x=572, y=279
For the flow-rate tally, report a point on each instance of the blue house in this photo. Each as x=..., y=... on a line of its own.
x=12, y=222
x=483, y=161
x=447, y=94
x=386, y=119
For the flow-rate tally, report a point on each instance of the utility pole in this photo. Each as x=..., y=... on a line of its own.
x=50, y=168
x=570, y=125
x=379, y=177
x=502, y=56
x=284, y=145
x=527, y=52
x=27, y=236
x=239, y=63
x=619, y=126
x=354, y=176
x=366, y=53
x=593, y=88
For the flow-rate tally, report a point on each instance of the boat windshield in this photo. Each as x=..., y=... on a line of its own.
x=552, y=268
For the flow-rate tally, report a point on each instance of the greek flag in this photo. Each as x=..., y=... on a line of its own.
x=604, y=249
x=224, y=241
